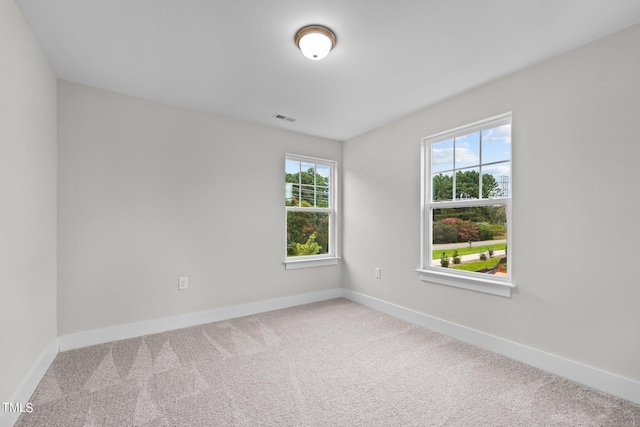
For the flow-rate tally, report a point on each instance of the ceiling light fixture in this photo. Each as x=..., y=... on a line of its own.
x=315, y=41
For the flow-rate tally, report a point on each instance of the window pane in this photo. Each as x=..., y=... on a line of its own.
x=467, y=184
x=496, y=144
x=308, y=172
x=291, y=179
x=442, y=186
x=307, y=233
x=307, y=195
x=322, y=197
x=468, y=150
x=470, y=239
x=291, y=169
x=496, y=180
x=322, y=177
x=442, y=156
x=288, y=195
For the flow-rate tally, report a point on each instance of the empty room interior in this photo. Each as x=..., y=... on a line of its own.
x=429, y=222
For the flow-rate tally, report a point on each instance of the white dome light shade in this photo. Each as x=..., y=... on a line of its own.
x=315, y=46
x=315, y=41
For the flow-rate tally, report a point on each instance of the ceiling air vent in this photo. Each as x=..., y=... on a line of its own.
x=281, y=117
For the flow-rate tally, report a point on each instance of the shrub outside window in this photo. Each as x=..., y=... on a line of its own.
x=466, y=220
x=310, y=211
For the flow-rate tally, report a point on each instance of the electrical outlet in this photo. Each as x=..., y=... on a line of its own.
x=183, y=283
x=377, y=272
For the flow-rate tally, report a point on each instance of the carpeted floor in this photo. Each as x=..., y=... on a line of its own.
x=333, y=363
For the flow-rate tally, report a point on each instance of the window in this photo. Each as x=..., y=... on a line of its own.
x=466, y=220
x=310, y=205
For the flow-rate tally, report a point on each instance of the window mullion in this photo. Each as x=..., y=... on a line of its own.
x=480, y=169
x=453, y=178
x=300, y=184
x=298, y=209
x=315, y=185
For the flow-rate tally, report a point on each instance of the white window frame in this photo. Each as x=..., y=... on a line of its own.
x=501, y=286
x=331, y=257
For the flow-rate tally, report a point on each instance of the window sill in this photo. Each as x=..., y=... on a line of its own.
x=488, y=286
x=295, y=264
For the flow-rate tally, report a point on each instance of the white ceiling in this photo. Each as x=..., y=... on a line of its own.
x=237, y=58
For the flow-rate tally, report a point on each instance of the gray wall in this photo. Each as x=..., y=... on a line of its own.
x=150, y=192
x=576, y=158
x=28, y=201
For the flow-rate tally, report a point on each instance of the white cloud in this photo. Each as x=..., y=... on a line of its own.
x=497, y=170
x=499, y=134
x=441, y=156
x=464, y=155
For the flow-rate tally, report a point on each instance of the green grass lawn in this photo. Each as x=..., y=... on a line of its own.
x=437, y=254
x=476, y=265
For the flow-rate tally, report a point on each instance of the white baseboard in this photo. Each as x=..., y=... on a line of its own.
x=593, y=377
x=28, y=386
x=132, y=330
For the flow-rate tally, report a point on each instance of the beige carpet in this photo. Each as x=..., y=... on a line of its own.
x=334, y=363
